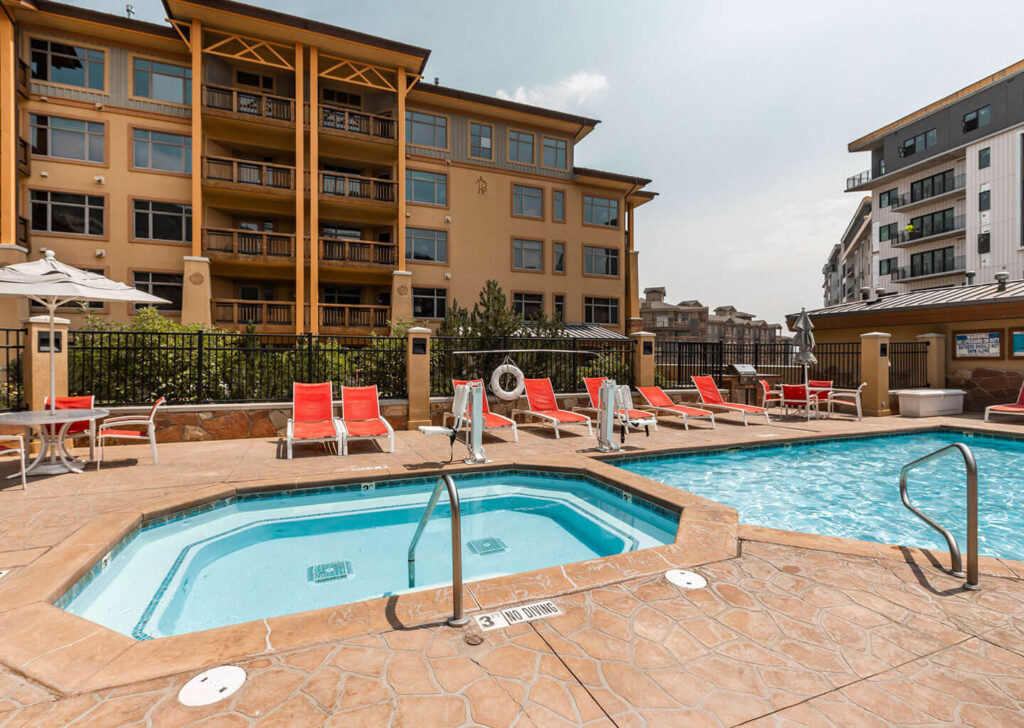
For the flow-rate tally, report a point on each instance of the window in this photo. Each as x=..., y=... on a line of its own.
x=933, y=223
x=918, y=143
x=560, y=306
x=527, y=254
x=55, y=136
x=340, y=232
x=984, y=243
x=886, y=266
x=426, y=130
x=984, y=200
x=528, y=305
x=600, y=211
x=600, y=261
x=426, y=187
x=162, y=81
x=343, y=98
x=164, y=285
x=246, y=78
x=888, y=198
x=984, y=157
x=558, y=205
x=256, y=291
x=932, y=261
x=162, y=221
x=162, y=152
x=61, y=63
x=887, y=232
x=427, y=245
x=527, y=201
x=341, y=295
x=65, y=212
x=429, y=302
x=520, y=147
x=937, y=184
x=556, y=153
x=558, y=257
x=976, y=119
x=480, y=140
x=600, y=310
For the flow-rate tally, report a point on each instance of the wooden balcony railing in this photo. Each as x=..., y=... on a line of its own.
x=23, y=75
x=257, y=245
x=249, y=103
x=257, y=313
x=336, y=118
x=338, y=315
x=335, y=250
x=362, y=188
x=245, y=172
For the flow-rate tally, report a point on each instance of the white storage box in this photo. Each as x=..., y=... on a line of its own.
x=930, y=402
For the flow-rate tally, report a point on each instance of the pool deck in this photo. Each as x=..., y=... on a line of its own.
x=793, y=630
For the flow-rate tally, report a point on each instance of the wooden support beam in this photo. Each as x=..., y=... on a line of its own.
x=300, y=186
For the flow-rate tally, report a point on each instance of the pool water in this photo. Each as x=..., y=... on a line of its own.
x=850, y=488
x=259, y=557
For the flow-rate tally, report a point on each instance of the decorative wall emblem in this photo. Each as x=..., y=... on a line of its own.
x=196, y=279
x=481, y=185
x=403, y=290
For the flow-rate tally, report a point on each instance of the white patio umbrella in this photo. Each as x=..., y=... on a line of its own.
x=805, y=350
x=54, y=284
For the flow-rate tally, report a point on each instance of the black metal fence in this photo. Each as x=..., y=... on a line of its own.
x=839, y=362
x=908, y=365
x=12, y=346
x=123, y=368
x=676, y=361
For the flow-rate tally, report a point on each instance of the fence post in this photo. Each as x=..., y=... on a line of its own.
x=309, y=358
x=874, y=370
x=936, y=359
x=200, y=366
x=417, y=367
x=644, y=366
x=36, y=361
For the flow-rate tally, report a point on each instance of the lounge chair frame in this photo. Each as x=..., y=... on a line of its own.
x=1005, y=409
x=728, y=406
x=675, y=410
x=548, y=419
x=290, y=438
x=346, y=436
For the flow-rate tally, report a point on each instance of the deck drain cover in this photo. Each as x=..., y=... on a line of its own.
x=686, y=579
x=331, y=571
x=208, y=687
x=486, y=545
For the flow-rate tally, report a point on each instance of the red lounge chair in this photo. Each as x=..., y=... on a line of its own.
x=15, y=446
x=313, y=417
x=360, y=417
x=540, y=398
x=1016, y=408
x=661, y=402
x=110, y=429
x=593, y=385
x=709, y=395
x=86, y=427
x=796, y=395
x=491, y=420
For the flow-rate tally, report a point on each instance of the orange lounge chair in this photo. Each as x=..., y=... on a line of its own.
x=491, y=420
x=661, y=402
x=540, y=398
x=312, y=417
x=593, y=385
x=709, y=395
x=1015, y=408
x=360, y=417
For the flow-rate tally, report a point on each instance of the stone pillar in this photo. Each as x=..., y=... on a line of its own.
x=35, y=363
x=936, y=359
x=197, y=292
x=643, y=359
x=874, y=369
x=401, y=295
x=417, y=372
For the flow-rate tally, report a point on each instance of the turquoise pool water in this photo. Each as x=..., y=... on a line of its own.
x=851, y=488
x=259, y=557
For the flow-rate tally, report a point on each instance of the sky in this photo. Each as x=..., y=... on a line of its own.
x=740, y=112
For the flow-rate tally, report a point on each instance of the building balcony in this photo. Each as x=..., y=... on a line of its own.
x=358, y=319
x=266, y=316
x=24, y=157
x=248, y=105
x=248, y=245
x=250, y=176
x=958, y=265
x=353, y=124
x=931, y=234
x=358, y=253
x=858, y=180
x=958, y=188
x=350, y=193
x=23, y=78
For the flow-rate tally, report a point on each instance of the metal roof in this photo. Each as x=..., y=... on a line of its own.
x=592, y=331
x=933, y=298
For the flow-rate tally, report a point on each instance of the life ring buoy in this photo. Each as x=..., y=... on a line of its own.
x=508, y=395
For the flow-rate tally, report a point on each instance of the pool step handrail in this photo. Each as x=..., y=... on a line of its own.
x=458, y=617
x=956, y=560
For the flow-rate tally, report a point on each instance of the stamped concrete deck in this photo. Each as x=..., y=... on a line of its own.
x=793, y=631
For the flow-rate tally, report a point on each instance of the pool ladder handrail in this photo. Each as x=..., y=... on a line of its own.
x=458, y=618
x=956, y=560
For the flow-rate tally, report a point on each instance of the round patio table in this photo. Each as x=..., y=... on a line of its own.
x=52, y=427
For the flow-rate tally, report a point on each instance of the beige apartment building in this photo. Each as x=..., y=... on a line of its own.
x=693, y=321
x=264, y=170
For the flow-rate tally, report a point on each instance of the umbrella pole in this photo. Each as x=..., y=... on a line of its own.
x=53, y=360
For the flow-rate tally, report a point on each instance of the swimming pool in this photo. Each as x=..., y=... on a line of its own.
x=265, y=555
x=850, y=487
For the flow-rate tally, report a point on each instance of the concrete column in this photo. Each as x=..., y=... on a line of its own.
x=401, y=295
x=36, y=360
x=874, y=369
x=936, y=359
x=643, y=359
x=196, y=292
x=417, y=365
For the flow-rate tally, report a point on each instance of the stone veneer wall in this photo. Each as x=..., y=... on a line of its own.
x=985, y=386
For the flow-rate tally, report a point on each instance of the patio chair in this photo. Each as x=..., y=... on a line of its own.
x=847, y=397
x=593, y=385
x=661, y=403
x=540, y=398
x=360, y=417
x=491, y=420
x=771, y=396
x=16, y=447
x=1014, y=408
x=84, y=427
x=821, y=388
x=312, y=417
x=709, y=395
x=797, y=396
x=110, y=429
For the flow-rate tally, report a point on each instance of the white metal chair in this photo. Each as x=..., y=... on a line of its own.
x=847, y=397
x=110, y=429
x=15, y=449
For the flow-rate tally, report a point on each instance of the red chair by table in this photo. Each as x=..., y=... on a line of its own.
x=84, y=427
x=540, y=398
x=312, y=417
x=360, y=417
x=796, y=395
x=110, y=429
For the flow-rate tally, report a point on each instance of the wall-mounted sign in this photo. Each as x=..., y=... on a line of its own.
x=1017, y=343
x=984, y=344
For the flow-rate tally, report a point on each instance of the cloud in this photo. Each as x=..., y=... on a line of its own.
x=582, y=88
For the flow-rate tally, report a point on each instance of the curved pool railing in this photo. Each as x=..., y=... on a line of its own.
x=458, y=617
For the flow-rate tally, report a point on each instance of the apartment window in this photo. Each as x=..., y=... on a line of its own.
x=426, y=245
x=163, y=152
x=556, y=153
x=984, y=243
x=65, y=212
x=984, y=200
x=559, y=306
x=340, y=232
x=600, y=310
x=426, y=187
x=888, y=198
x=71, y=65
x=937, y=184
x=527, y=201
x=984, y=158
x=164, y=285
x=933, y=223
x=247, y=78
x=558, y=205
x=976, y=119
x=256, y=291
x=600, y=261
x=918, y=143
x=480, y=140
x=429, y=302
x=55, y=136
x=343, y=98
x=527, y=254
x=558, y=257
x=520, y=147
x=162, y=81
x=886, y=266
x=165, y=221
x=600, y=211
x=887, y=232
x=528, y=305
x=341, y=295
x=426, y=130
x=932, y=261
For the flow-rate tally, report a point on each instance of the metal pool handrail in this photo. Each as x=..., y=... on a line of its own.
x=457, y=619
x=956, y=559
